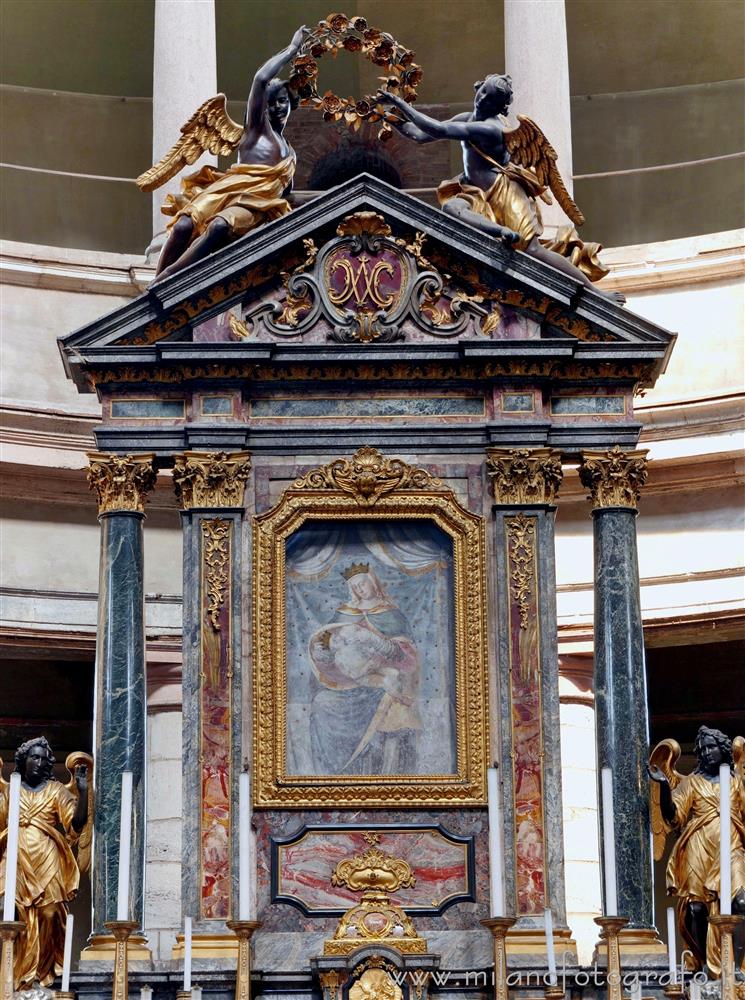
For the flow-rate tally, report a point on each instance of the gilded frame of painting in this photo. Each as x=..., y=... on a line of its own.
x=369, y=486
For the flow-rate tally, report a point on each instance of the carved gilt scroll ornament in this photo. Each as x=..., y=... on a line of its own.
x=614, y=477
x=121, y=482
x=367, y=476
x=211, y=479
x=524, y=475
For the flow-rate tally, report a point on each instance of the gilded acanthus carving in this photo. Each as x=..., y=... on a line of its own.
x=367, y=476
x=387, y=872
x=614, y=477
x=521, y=534
x=211, y=479
x=121, y=482
x=524, y=475
x=216, y=534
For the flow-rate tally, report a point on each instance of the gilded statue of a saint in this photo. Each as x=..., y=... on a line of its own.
x=687, y=806
x=217, y=206
x=506, y=171
x=55, y=820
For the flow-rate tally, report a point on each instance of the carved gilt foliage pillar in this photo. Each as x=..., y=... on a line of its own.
x=525, y=484
x=614, y=479
x=121, y=483
x=210, y=487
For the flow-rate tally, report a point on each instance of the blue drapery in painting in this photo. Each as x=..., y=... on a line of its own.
x=370, y=648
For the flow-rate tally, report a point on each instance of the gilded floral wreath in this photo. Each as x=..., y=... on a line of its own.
x=339, y=32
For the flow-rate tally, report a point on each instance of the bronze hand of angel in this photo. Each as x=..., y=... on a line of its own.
x=215, y=207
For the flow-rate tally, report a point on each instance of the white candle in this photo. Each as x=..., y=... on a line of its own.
x=636, y=989
x=496, y=880
x=11, y=849
x=125, y=844
x=187, y=953
x=67, y=960
x=550, y=953
x=244, y=846
x=672, y=960
x=725, y=857
x=609, y=843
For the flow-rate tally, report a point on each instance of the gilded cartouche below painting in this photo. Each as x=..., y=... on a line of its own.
x=370, y=649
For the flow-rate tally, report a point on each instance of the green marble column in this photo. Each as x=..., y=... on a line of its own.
x=615, y=478
x=121, y=483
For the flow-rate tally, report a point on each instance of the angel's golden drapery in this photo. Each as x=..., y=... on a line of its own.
x=511, y=202
x=246, y=195
x=48, y=877
x=693, y=868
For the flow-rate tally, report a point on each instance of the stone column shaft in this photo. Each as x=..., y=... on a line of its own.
x=536, y=57
x=615, y=479
x=525, y=486
x=121, y=691
x=210, y=487
x=184, y=76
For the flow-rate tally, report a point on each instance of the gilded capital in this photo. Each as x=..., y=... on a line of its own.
x=614, y=477
x=211, y=478
x=121, y=482
x=524, y=475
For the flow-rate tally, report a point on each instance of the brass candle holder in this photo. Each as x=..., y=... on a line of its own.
x=727, y=923
x=121, y=930
x=243, y=929
x=183, y=994
x=9, y=931
x=611, y=927
x=63, y=994
x=499, y=927
x=675, y=991
x=553, y=992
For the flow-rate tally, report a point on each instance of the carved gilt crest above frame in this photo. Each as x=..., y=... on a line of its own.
x=369, y=637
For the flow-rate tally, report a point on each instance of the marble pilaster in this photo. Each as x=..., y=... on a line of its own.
x=537, y=59
x=615, y=478
x=184, y=76
x=121, y=483
x=525, y=483
x=210, y=487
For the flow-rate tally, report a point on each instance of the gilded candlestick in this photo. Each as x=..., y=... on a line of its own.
x=499, y=927
x=675, y=991
x=243, y=929
x=121, y=929
x=727, y=923
x=9, y=931
x=64, y=994
x=611, y=927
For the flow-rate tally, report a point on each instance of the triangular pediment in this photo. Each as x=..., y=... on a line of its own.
x=447, y=290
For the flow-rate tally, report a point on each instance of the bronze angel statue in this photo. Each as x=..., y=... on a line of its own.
x=216, y=206
x=505, y=171
x=688, y=806
x=56, y=823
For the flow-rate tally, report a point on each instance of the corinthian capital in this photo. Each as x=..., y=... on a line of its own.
x=121, y=482
x=524, y=475
x=614, y=477
x=211, y=478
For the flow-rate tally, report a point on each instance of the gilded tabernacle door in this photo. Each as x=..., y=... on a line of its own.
x=371, y=680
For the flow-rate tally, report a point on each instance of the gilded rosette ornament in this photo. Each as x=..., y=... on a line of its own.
x=524, y=475
x=211, y=479
x=614, y=477
x=375, y=919
x=367, y=476
x=121, y=482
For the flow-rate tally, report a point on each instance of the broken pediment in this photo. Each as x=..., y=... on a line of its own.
x=365, y=267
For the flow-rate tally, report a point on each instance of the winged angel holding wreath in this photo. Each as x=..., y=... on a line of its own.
x=54, y=819
x=216, y=206
x=687, y=805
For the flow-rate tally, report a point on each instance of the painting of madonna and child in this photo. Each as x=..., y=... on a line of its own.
x=370, y=649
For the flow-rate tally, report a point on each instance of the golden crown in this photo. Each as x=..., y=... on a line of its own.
x=355, y=569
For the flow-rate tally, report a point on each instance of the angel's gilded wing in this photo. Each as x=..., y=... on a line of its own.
x=738, y=756
x=209, y=130
x=529, y=147
x=85, y=837
x=664, y=756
